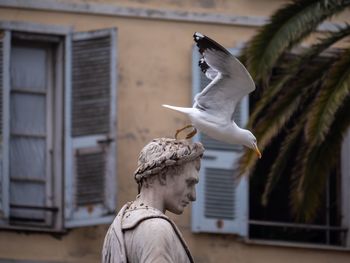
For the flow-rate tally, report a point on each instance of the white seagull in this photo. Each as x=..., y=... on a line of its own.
x=213, y=108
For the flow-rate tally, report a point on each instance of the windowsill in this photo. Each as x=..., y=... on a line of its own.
x=33, y=230
x=287, y=244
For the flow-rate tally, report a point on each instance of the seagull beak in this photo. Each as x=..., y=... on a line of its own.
x=256, y=149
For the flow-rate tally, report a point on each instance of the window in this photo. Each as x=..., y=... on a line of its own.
x=57, y=149
x=223, y=203
x=30, y=141
x=274, y=222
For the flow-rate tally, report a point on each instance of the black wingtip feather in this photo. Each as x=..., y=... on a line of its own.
x=204, y=42
x=203, y=65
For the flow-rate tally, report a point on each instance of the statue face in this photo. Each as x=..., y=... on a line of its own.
x=180, y=189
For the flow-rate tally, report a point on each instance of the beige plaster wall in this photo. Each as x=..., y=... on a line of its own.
x=154, y=67
x=236, y=7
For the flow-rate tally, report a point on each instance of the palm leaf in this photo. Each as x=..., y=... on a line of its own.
x=295, y=68
x=283, y=160
x=330, y=99
x=311, y=91
x=317, y=163
x=296, y=194
x=269, y=126
x=267, y=97
x=288, y=26
x=295, y=93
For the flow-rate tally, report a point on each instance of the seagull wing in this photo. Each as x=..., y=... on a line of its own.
x=209, y=72
x=228, y=86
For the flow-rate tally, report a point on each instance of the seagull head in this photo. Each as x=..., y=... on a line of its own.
x=251, y=142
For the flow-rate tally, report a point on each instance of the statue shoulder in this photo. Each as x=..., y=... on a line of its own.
x=134, y=217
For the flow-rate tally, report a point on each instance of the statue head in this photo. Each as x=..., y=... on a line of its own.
x=162, y=161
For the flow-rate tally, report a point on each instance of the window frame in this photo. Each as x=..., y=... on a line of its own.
x=62, y=97
x=53, y=123
x=22, y=30
x=5, y=129
x=345, y=183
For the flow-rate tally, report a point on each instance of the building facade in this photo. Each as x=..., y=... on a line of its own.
x=82, y=87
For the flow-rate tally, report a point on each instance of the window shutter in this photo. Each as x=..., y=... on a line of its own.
x=4, y=124
x=90, y=128
x=222, y=199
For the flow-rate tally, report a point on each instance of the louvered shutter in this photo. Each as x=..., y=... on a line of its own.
x=222, y=199
x=90, y=128
x=4, y=124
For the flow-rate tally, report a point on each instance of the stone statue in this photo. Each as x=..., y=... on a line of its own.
x=166, y=175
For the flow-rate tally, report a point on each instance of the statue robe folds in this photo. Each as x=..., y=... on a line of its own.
x=144, y=234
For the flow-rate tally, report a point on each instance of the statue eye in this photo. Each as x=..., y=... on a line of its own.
x=191, y=181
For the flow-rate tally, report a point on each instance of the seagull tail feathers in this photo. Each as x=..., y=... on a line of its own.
x=180, y=109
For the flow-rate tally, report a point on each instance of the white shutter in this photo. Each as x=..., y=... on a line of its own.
x=5, y=44
x=222, y=199
x=90, y=128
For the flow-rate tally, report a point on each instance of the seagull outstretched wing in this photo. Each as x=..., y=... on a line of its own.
x=230, y=79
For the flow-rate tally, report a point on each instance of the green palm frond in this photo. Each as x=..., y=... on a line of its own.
x=296, y=194
x=327, y=41
x=287, y=27
x=295, y=93
x=277, y=115
x=283, y=160
x=270, y=125
x=265, y=101
x=330, y=98
x=294, y=68
x=317, y=163
x=304, y=101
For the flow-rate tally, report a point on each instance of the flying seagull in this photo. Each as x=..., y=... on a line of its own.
x=213, y=108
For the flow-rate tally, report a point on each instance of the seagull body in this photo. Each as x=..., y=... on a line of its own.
x=213, y=108
x=228, y=132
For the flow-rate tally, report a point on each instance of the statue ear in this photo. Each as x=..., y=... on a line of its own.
x=162, y=178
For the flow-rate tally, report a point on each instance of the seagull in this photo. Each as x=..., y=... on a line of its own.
x=213, y=108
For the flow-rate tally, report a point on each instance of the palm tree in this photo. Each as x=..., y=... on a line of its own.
x=309, y=99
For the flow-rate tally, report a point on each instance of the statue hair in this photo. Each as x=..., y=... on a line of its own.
x=165, y=157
